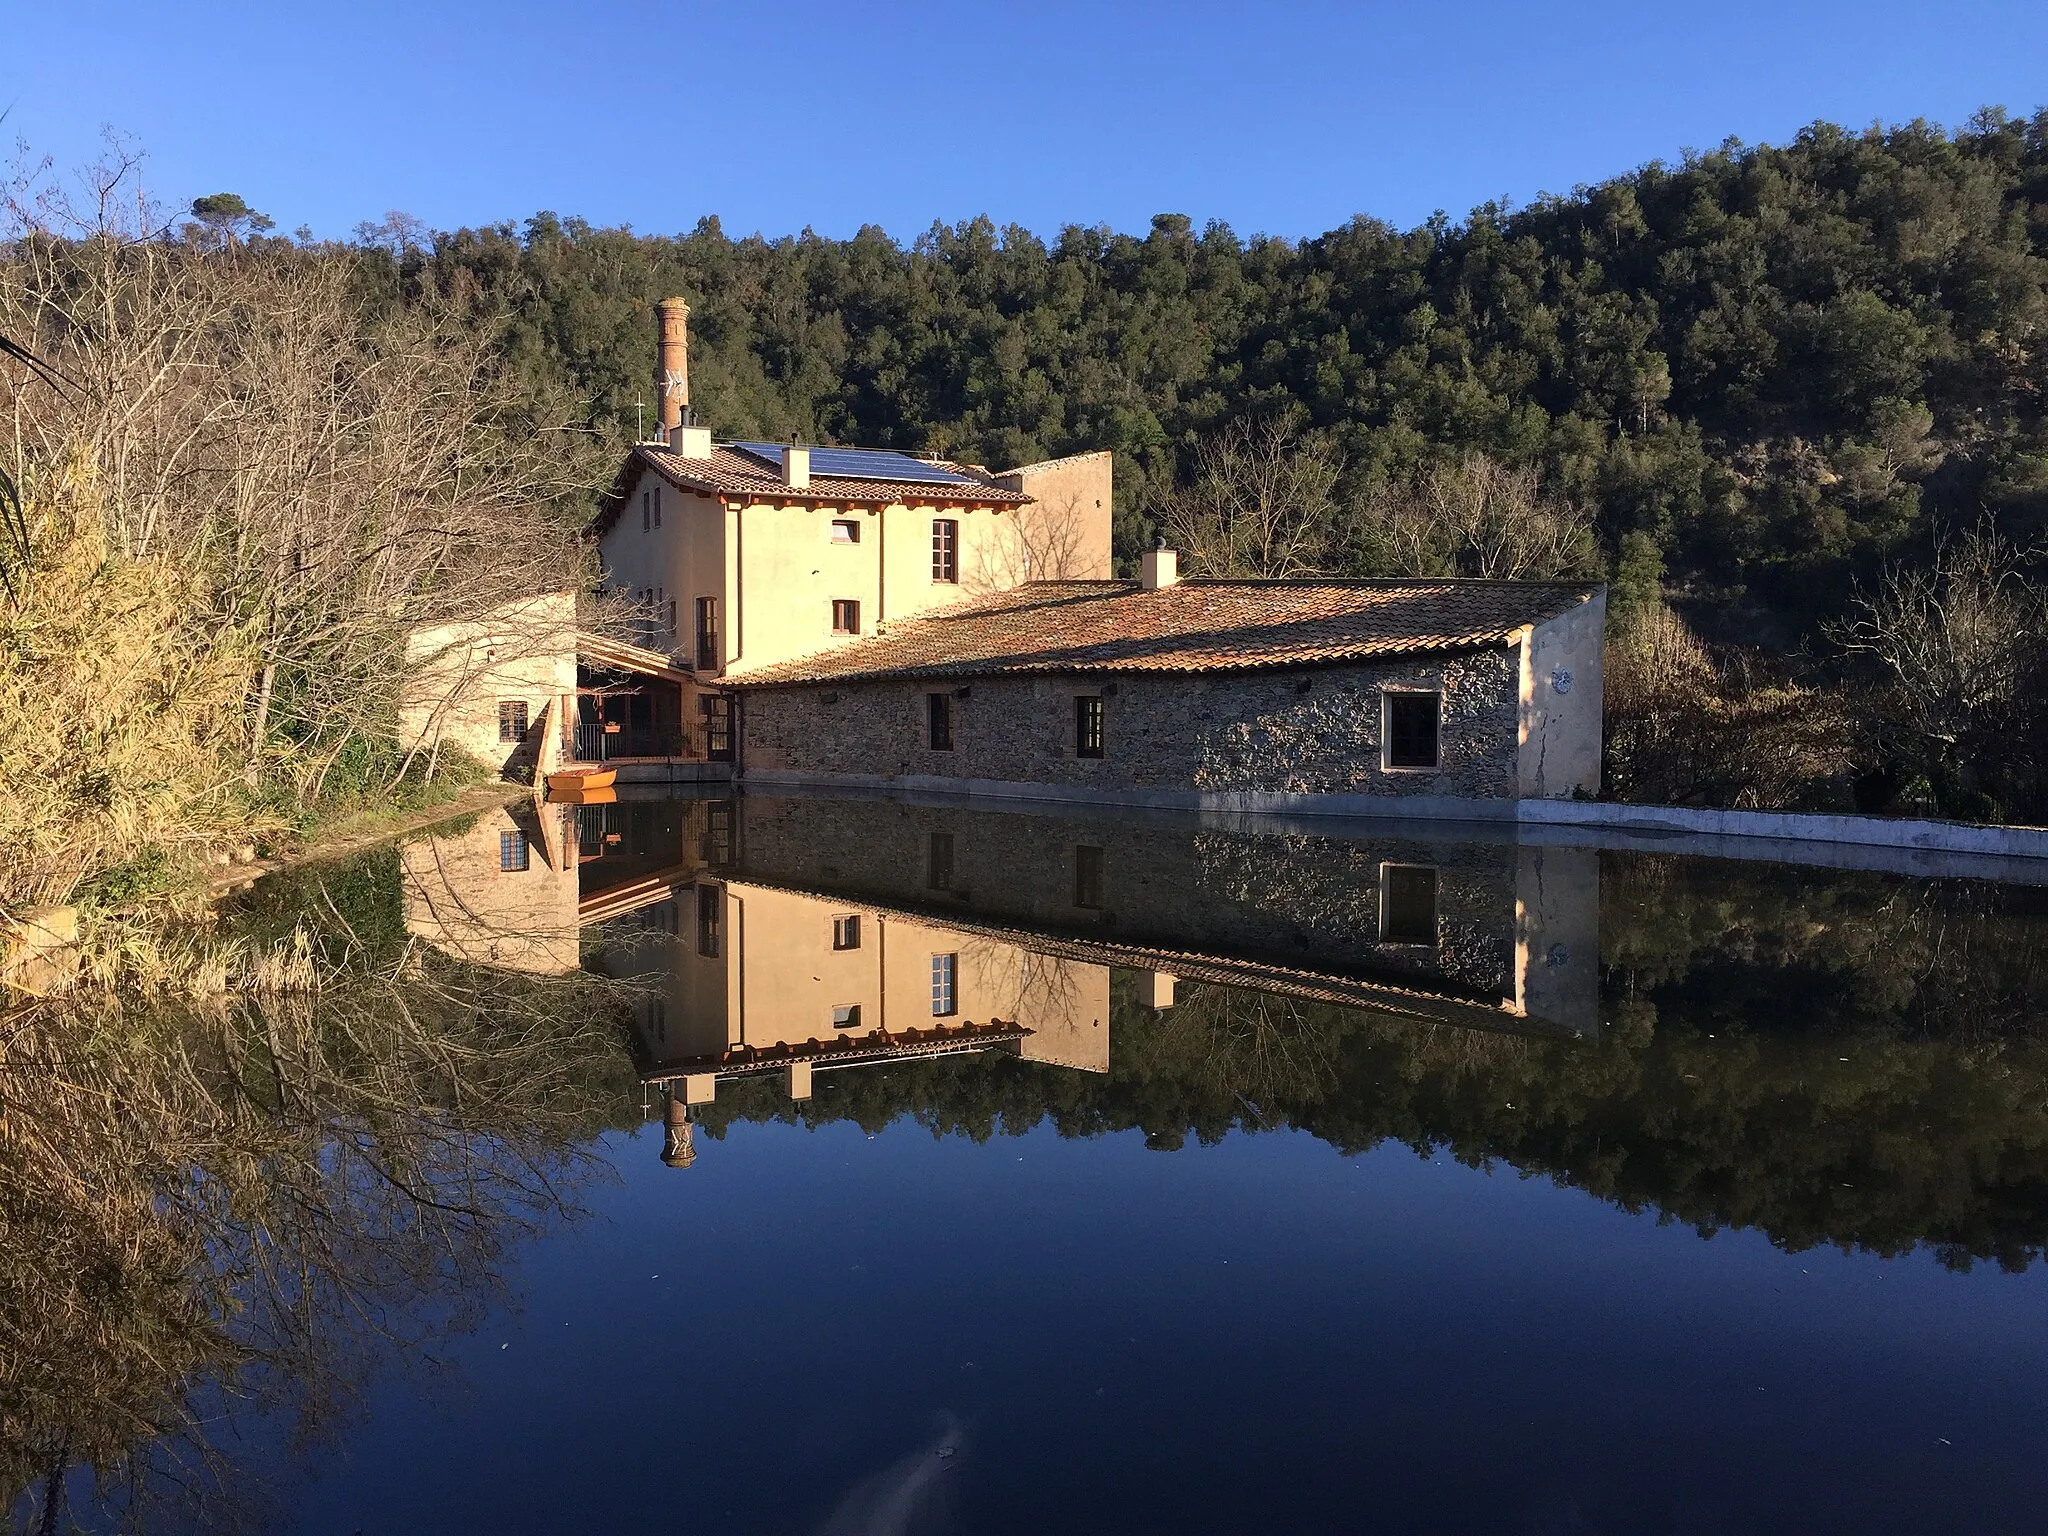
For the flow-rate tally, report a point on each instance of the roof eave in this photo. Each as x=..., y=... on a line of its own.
x=943, y=674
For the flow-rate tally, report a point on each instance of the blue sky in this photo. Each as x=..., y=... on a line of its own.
x=1282, y=117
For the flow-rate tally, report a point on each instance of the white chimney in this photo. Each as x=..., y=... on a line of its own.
x=796, y=468
x=1159, y=567
x=690, y=442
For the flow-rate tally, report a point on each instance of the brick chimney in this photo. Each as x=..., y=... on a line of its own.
x=678, y=1134
x=1158, y=567
x=672, y=373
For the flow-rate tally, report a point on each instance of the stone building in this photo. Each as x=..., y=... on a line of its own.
x=1446, y=694
x=1428, y=920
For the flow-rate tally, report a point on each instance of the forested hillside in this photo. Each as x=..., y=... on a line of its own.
x=1781, y=365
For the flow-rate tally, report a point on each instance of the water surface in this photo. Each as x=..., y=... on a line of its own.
x=1109, y=1173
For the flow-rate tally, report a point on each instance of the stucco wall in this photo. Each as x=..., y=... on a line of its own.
x=776, y=570
x=684, y=558
x=1561, y=713
x=458, y=674
x=778, y=979
x=1065, y=534
x=459, y=897
x=1305, y=731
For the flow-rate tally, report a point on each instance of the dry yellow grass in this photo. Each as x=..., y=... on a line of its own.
x=120, y=704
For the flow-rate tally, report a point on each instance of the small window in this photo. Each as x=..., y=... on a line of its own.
x=514, y=852
x=657, y=1017
x=845, y=616
x=1088, y=725
x=845, y=530
x=715, y=847
x=846, y=1016
x=1407, y=904
x=710, y=921
x=1412, y=730
x=945, y=549
x=1088, y=878
x=646, y=515
x=938, y=721
x=944, y=1002
x=846, y=932
x=657, y=506
x=671, y=617
x=512, y=720
x=707, y=634
x=938, y=862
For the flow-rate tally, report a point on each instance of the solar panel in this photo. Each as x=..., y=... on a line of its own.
x=862, y=464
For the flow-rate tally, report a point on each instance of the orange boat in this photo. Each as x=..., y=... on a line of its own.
x=567, y=781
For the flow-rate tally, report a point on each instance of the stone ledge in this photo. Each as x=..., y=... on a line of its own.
x=1654, y=826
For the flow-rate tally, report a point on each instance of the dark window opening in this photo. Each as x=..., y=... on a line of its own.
x=1088, y=726
x=938, y=721
x=716, y=712
x=707, y=634
x=710, y=921
x=716, y=847
x=945, y=549
x=1412, y=730
x=514, y=852
x=646, y=518
x=845, y=616
x=845, y=531
x=938, y=862
x=511, y=719
x=1088, y=878
x=846, y=932
x=847, y=1016
x=1407, y=904
x=657, y=506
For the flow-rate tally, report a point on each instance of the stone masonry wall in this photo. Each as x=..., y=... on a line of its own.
x=1314, y=730
x=1301, y=901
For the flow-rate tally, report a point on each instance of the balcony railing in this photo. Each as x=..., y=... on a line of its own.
x=598, y=742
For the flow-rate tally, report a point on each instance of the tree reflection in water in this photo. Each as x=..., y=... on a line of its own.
x=243, y=1205
x=1839, y=1059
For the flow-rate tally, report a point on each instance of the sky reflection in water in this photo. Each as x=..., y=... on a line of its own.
x=1214, y=1287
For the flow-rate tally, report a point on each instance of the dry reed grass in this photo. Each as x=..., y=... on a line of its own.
x=120, y=703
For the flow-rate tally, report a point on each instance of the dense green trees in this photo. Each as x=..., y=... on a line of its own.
x=1825, y=1058
x=1774, y=367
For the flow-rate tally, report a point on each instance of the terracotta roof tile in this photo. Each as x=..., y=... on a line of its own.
x=727, y=473
x=1195, y=626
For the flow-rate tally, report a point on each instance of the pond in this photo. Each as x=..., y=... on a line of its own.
x=862, y=1165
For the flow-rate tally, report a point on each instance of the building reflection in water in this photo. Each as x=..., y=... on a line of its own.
x=500, y=891
x=787, y=937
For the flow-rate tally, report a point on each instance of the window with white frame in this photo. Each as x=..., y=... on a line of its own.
x=1411, y=723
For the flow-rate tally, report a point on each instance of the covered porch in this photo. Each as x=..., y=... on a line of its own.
x=631, y=707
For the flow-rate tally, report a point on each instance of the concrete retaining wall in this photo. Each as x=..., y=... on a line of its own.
x=1663, y=823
